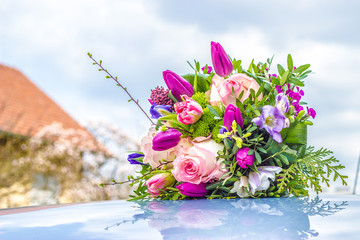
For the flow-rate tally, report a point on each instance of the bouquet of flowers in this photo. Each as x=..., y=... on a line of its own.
x=225, y=131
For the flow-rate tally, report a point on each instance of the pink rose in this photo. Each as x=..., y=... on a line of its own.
x=221, y=89
x=198, y=164
x=189, y=111
x=153, y=157
x=159, y=181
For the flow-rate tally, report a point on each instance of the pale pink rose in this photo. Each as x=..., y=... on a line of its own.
x=158, y=182
x=155, y=157
x=221, y=89
x=188, y=111
x=198, y=163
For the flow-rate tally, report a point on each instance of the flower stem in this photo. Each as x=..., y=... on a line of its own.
x=135, y=179
x=118, y=84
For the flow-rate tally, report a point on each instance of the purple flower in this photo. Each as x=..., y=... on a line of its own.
x=297, y=106
x=178, y=85
x=192, y=190
x=209, y=69
x=311, y=112
x=166, y=140
x=259, y=181
x=272, y=119
x=158, y=111
x=220, y=60
x=134, y=158
x=232, y=113
x=296, y=96
x=279, y=88
x=282, y=102
x=243, y=159
x=222, y=131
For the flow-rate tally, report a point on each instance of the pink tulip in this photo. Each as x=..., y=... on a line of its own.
x=189, y=111
x=159, y=181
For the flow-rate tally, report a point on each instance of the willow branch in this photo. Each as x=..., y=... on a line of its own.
x=118, y=84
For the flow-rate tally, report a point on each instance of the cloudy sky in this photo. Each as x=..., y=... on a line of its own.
x=137, y=40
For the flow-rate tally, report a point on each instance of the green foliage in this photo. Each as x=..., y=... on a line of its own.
x=205, y=124
x=309, y=172
x=201, y=98
x=215, y=131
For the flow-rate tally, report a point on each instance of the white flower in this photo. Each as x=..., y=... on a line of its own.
x=260, y=181
x=239, y=187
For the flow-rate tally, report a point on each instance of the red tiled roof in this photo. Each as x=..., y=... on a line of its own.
x=24, y=108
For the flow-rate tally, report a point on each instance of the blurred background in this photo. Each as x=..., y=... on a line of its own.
x=46, y=43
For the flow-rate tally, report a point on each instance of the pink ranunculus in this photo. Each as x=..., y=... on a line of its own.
x=188, y=111
x=244, y=160
x=221, y=89
x=159, y=181
x=153, y=157
x=198, y=163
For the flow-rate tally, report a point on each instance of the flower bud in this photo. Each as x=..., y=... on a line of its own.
x=166, y=140
x=244, y=160
x=232, y=113
x=159, y=181
x=189, y=111
x=177, y=85
x=192, y=190
x=134, y=158
x=220, y=60
x=158, y=111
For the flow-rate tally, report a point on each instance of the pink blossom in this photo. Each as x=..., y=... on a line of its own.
x=189, y=111
x=159, y=181
x=244, y=160
x=198, y=163
x=221, y=89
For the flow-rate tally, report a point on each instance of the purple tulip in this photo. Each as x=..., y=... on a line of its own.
x=232, y=113
x=177, y=85
x=220, y=60
x=244, y=160
x=166, y=140
x=192, y=190
x=134, y=158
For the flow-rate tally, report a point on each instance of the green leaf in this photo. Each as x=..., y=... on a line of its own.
x=284, y=159
x=171, y=96
x=296, y=82
x=250, y=152
x=281, y=70
x=213, y=110
x=197, y=66
x=202, y=84
x=250, y=66
x=257, y=157
x=302, y=68
x=290, y=63
x=191, y=65
x=284, y=77
x=260, y=89
x=276, y=81
x=237, y=64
